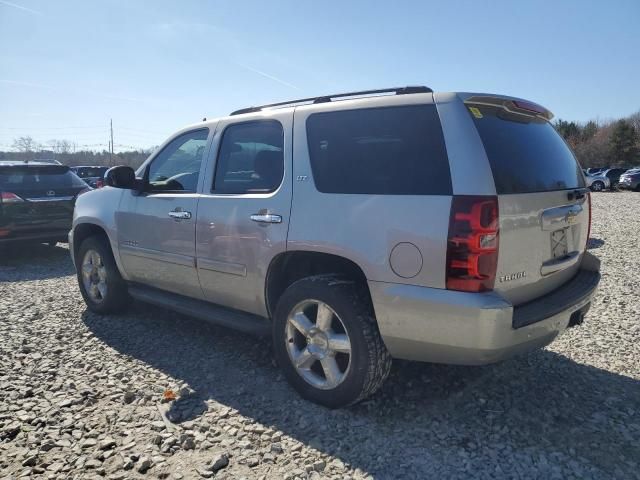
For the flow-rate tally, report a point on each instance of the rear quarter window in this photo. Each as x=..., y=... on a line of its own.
x=380, y=151
x=526, y=153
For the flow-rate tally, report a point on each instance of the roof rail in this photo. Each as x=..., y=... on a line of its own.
x=328, y=98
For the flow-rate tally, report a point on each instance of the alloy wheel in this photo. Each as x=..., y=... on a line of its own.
x=318, y=344
x=94, y=276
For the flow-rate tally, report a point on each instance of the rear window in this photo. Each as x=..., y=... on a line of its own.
x=383, y=151
x=526, y=153
x=25, y=178
x=88, y=172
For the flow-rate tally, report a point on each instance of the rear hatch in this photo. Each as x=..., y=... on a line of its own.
x=36, y=198
x=544, y=208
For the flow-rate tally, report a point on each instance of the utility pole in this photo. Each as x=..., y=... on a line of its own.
x=111, y=153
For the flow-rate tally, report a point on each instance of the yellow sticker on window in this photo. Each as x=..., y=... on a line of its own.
x=476, y=113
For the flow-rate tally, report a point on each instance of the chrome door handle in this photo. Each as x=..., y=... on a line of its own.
x=266, y=218
x=180, y=215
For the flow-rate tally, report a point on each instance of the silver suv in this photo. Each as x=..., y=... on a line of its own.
x=353, y=228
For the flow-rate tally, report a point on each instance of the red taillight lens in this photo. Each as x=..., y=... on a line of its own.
x=472, y=246
x=588, y=229
x=8, y=197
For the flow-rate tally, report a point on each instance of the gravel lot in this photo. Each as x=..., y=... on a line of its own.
x=81, y=396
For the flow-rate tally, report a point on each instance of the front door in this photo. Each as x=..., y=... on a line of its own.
x=243, y=214
x=156, y=229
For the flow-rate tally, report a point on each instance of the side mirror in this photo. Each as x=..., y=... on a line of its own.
x=121, y=177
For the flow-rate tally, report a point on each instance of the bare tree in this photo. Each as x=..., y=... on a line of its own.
x=24, y=144
x=634, y=119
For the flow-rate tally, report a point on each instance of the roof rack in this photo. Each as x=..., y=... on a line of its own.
x=328, y=98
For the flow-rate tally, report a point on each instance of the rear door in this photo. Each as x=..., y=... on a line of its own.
x=37, y=198
x=243, y=213
x=543, y=206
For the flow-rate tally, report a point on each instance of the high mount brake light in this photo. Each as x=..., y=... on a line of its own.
x=529, y=106
x=472, y=245
x=8, y=197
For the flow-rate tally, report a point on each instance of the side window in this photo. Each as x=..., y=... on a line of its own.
x=177, y=167
x=250, y=158
x=379, y=151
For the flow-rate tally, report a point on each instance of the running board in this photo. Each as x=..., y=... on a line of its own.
x=209, y=312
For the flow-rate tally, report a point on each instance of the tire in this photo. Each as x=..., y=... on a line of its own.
x=112, y=297
x=597, y=186
x=362, y=372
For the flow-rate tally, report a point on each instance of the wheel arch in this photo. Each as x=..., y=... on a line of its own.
x=291, y=266
x=83, y=231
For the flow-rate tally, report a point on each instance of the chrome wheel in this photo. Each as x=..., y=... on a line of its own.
x=94, y=276
x=318, y=344
x=597, y=186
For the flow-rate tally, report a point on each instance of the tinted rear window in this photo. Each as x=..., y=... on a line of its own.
x=26, y=178
x=88, y=172
x=385, y=151
x=526, y=153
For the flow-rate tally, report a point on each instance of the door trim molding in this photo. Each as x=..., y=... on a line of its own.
x=222, y=267
x=158, y=256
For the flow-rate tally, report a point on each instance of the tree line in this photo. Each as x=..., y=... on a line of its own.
x=596, y=144
x=64, y=151
x=599, y=144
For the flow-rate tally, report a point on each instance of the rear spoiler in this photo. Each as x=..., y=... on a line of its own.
x=512, y=105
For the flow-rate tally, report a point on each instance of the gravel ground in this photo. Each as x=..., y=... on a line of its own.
x=81, y=396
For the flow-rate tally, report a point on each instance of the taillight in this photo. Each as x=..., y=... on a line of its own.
x=472, y=245
x=589, y=228
x=8, y=197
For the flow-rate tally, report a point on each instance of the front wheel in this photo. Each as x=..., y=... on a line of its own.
x=597, y=186
x=102, y=287
x=326, y=341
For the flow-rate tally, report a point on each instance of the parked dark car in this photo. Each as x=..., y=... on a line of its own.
x=613, y=174
x=630, y=180
x=92, y=175
x=37, y=201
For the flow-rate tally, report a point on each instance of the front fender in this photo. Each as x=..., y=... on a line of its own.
x=98, y=207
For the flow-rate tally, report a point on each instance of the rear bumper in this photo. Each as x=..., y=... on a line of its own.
x=444, y=326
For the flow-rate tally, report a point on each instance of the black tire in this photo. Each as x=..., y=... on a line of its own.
x=597, y=186
x=117, y=298
x=370, y=360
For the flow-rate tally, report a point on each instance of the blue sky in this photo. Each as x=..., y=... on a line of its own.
x=67, y=67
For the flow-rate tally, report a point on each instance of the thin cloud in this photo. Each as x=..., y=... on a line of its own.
x=266, y=75
x=20, y=7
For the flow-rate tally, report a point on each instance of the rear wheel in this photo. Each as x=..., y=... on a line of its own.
x=327, y=342
x=102, y=287
x=597, y=186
